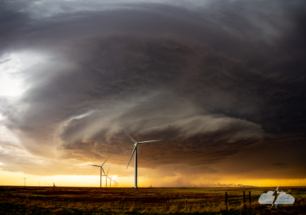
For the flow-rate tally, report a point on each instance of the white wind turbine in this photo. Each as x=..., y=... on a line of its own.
x=110, y=180
x=106, y=177
x=101, y=170
x=134, y=152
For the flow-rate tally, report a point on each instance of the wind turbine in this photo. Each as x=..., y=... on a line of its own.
x=106, y=177
x=110, y=180
x=101, y=169
x=135, y=152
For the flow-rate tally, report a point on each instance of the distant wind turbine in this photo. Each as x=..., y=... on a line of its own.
x=101, y=170
x=106, y=177
x=110, y=180
x=134, y=152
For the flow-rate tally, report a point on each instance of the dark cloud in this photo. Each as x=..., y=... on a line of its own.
x=210, y=81
x=279, y=165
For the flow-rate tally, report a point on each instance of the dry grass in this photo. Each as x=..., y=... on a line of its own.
x=142, y=201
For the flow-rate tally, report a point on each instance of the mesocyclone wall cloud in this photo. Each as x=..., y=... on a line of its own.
x=222, y=83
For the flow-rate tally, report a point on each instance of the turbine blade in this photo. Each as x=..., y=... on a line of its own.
x=128, y=135
x=96, y=165
x=148, y=141
x=132, y=155
x=102, y=170
x=107, y=172
x=104, y=161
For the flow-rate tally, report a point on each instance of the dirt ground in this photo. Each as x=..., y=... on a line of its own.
x=78, y=200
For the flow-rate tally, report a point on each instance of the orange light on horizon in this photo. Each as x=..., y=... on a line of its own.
x=16, y=179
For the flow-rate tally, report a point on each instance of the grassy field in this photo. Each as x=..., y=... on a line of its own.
x=72, y=200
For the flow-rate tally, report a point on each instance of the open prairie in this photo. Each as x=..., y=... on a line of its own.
x=78, y=200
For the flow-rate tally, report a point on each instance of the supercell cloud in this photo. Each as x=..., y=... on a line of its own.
x=222, y=83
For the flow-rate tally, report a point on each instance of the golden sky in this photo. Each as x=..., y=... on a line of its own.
x=220, y=83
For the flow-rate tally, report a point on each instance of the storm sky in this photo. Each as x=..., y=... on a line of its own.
x=222, y=83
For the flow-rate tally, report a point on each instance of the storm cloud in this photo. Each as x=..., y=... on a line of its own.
x=217, y=81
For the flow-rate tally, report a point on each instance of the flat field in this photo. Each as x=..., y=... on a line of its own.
x=78, y=200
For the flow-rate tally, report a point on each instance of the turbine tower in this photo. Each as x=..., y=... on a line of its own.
x=134, y=152
x=101, y=170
